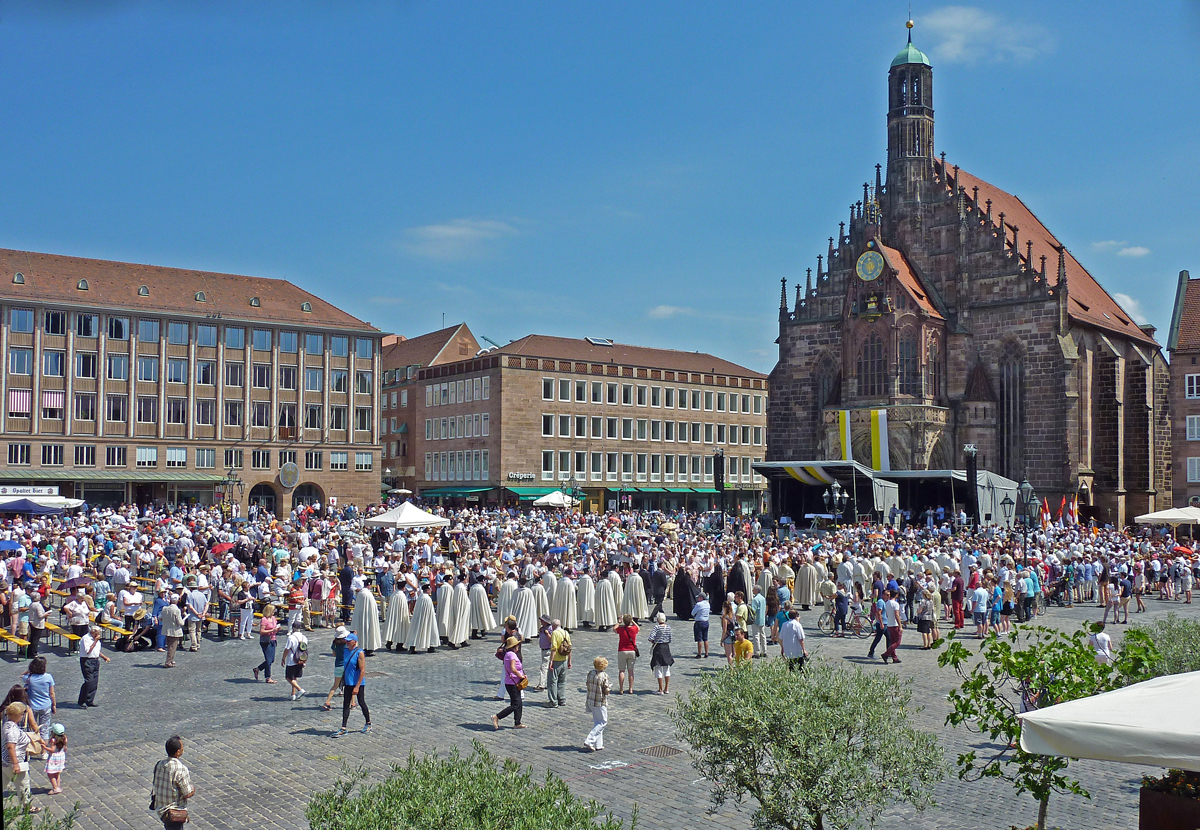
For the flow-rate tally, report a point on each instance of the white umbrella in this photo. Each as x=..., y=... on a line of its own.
x=400, y=491
x=1125, y=725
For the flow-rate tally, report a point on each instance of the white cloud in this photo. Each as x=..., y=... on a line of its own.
x=967, y=35
x=1136, y=250
x=1132, y=307
x=456, y=239
x=662, y=312
x=1108, y=245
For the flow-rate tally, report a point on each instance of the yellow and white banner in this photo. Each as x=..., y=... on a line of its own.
x=844, y=434
x=880, y=459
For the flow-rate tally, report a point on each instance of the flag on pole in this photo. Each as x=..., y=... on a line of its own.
x=880, y=457
x=1045, y=513
x=1073, y=510
x=1063, y=512
x=844, y=434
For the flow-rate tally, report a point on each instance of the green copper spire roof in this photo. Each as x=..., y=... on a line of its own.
x=910, y=54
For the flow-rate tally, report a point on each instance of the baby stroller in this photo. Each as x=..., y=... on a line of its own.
x=1060, y=593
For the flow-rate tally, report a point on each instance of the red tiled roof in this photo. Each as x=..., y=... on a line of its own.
x=566, y=348
x=1088, y=302
x=442, y=346
x=54, y=278
x=1188, y=336
x=904, y=273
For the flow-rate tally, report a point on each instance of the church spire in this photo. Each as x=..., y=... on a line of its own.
x=909, y=122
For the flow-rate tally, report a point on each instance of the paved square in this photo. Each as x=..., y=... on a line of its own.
x=255, y=756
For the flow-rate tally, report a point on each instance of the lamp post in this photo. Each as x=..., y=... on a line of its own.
x=228, y=483
x=566, y=485
x=835, y=499
x=1027, y=498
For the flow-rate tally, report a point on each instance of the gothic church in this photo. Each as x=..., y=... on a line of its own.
x=945, y=301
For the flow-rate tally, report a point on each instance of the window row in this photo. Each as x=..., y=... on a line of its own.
x=464, y=465
x=627, y=466
x=642, y=429
x=399, y=398
x=146, y=408
x=458, y=391
x=629, y=394
x=179, y=333
x=85, y=455
x=462, y=426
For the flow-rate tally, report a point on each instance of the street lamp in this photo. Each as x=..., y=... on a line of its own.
x=1028, y=499
x=228, y=483
x=835, y=499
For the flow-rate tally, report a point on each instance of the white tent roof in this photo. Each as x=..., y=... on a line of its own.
x=46, y=501
x=1126, y=725
x=405, y=516
x=1171, y=516
x=556, y=499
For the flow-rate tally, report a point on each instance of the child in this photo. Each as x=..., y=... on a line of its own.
x=57, y=761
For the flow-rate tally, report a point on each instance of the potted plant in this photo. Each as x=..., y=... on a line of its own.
x=1171, y=802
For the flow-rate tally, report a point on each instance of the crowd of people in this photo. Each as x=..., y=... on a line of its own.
x=156, y=579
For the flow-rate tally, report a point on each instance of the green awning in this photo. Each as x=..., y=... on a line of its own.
x=403, y=429
x=530, y=493
x=652, y=490
x=453, y=491
x=712, y=490
x=75, y=474
x=677, y=489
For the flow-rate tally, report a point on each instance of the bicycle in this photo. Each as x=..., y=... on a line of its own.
x=857, y=624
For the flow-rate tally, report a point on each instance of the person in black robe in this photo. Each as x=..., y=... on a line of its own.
x=685, y=593
x=737, y=581
x=658, y=589
x=714, y=586
x=346, y=576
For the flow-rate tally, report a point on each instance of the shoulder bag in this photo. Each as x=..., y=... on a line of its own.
x=179, y=815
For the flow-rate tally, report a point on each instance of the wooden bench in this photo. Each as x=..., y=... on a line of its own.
x=116, y=629
x=220, y=622
x=61, y=632
x=7, y=638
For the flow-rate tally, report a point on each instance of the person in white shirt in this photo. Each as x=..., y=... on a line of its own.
x=292, y=662
x=90, y=656
x=1101, y=643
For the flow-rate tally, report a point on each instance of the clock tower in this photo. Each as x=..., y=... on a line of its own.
x=909, y=124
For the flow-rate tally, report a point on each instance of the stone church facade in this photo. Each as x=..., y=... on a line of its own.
x=945, y=301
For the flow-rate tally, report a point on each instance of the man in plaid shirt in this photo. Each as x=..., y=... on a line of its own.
x=172, y=784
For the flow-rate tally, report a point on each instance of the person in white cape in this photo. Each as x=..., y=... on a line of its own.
x=606, y=605
x=423, y=630
x=366, y=621
x=550, y=583
x=634, y=599
x=564, y=605
x=525, y=610
x=540, y=598
x=445, y=598
x=395, y=628
x=585, y=600
x=482, y=620
x=508, y=592
x=460, y=616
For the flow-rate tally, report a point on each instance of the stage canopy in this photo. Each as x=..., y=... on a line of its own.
x=1125, y=725
x=1173, y=516
x=991, y=489
x=864, y=485
x=407, y=515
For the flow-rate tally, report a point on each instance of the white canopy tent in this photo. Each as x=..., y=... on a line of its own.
x=1125, y=725
x=556, y=499
x=407, y=515
x=1173, y=516
x=46, y=501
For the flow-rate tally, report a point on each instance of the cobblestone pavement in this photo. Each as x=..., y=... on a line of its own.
x=255, y=756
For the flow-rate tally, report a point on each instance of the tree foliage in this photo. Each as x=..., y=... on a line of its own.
x=454, y=793
x=1041, y=666
x=822, y=748
x=16, y=817
x=1177, y=641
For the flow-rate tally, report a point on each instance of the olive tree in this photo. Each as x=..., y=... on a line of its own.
x=1031, y=668
x=1177, y=641
x=822, y=748
x=455, y=793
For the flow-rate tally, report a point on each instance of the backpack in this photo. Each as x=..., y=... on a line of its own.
x=302, y=653
x=564, y=648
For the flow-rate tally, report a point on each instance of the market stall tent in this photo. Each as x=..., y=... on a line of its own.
x=1172, y=516
x=1125, y=725
x=407, y=515
x=556, y=499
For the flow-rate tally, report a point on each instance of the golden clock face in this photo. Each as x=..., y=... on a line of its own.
x=870, y=266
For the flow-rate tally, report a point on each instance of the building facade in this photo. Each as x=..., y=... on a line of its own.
x=402, y=360
x=946, y=303
x=1183, y=344
x=615, y=424
x=137, y=383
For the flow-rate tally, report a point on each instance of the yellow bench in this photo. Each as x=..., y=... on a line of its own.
x=7, y=638
x=61, y=632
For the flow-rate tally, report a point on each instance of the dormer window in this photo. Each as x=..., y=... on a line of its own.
x=82, y=285
x=255, y=302
x=18, y=278
x=200, y=297
x=144, y=291
x=306, y=307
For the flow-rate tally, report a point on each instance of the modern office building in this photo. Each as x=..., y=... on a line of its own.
x=617, y=424
x=138, y=383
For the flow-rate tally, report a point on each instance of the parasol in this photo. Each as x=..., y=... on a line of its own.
x=217, y=550
x=1182, y=549
x=77, y=582
x=10, y=545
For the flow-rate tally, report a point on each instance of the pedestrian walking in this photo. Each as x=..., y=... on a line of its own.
x=90, y=655
x=172, y=787
x=39, y=685
x=56, y=761
x=295, y=655
x=172, y=629
x=701, y=612
x=660, y=655
x=597, y=703
x=339, y=665
x=627, y=652
x=545, y=628
x=354, y=685
x=268, y=630
x=15, y=744
x=791, y=641
x=514, y=681
x=560, y=661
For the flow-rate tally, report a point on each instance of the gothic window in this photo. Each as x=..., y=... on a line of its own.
x=872, y=377
x=1012, y=414
x=828, y=383
x=909, y=365
x=933, y=371
x=903, y=89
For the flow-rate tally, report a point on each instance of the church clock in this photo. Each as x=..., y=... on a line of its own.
x=870, y=266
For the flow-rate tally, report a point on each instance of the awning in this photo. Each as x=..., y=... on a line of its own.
x=651, y=490
x=120, y=476
x=453, y=491
x=708, y=490
x=530, y=493
x=677, y=489
x=403, y=429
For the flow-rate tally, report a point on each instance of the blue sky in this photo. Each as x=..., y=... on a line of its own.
x=641, y=171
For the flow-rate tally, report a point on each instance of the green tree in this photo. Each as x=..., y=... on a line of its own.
x=18, y=818
x=826, y=747
x=454, y=793
x=1177, y=641
x=1041, y=666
